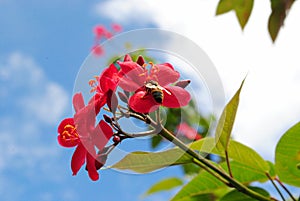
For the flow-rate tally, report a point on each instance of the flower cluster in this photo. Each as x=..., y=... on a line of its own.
x=146, y=87
x=100, y=33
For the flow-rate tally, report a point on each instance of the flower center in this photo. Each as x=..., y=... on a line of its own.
x=70, y=133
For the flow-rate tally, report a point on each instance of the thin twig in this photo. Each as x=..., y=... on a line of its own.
x=277, y=189
x=285, y=188
x=236, y=184
x=228, y=163
x=200, y=160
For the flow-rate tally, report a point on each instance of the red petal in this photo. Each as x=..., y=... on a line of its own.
x=134, y=72
x=99, y=31
x=109, y=78
x=78, y=102
x=78, y=158
x=142, y=102
x=101, y=135
x=91, y=167
x=164, y=74
x=67, y=143
x=98, y=100
x=116, y=27
x=188, y=131
x=97, y=50
x=179, y=97
x=128, y=84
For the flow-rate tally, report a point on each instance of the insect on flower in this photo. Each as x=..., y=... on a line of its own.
x=153, y=88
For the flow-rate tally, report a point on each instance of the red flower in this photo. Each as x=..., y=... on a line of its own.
x=97, y=50
x=80, y=131
x=185, y=130
x=152, y=88
x=116, y=27
x=99, y=31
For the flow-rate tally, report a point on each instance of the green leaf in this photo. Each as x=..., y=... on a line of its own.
x=245, y=174
x=225, y=124
x=144, y=162
x=206, y=197
x=278, y=15
x=204, y=183
x=155, y=141
x=190, y=169
x=236, y=151
x=287, y=156
x=201, y=184
x=224, y=6
x=235, y=195
x=242, y=8
x=164, y=185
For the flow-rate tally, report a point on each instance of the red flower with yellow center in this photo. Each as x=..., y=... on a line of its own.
x=152, y=87
x=81, y=131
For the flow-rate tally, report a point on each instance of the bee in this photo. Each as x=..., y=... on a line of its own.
x=153, y=88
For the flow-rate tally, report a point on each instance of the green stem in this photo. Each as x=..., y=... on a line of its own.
x=197, y=162
x=228, y=163
x=236, y=184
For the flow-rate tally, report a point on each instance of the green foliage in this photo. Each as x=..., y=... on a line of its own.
x=237, y=152
x=164, y=185
x=206, y=197
x=242, y=8
x=188, y=113
x=235, y=195
x=225, y=124
x=201, y=184
x=144, y=162
x=278, y=15
x=287, y=156
x=205, y=183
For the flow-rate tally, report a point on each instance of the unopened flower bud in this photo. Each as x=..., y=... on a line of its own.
x=123, y=97
x=127, y=58
x=116, y=139
x=140, y=60
x=183, y=83
x=107, y=119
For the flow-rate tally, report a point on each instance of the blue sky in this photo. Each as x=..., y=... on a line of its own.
x=43, y=44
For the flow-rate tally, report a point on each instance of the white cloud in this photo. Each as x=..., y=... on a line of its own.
x=270, y=98
x=30, y=106
x=25, y=85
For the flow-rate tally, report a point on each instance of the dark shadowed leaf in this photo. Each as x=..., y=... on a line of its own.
x=235, y=195
x=287, y=156
x=280, y=9
x=204, y=197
